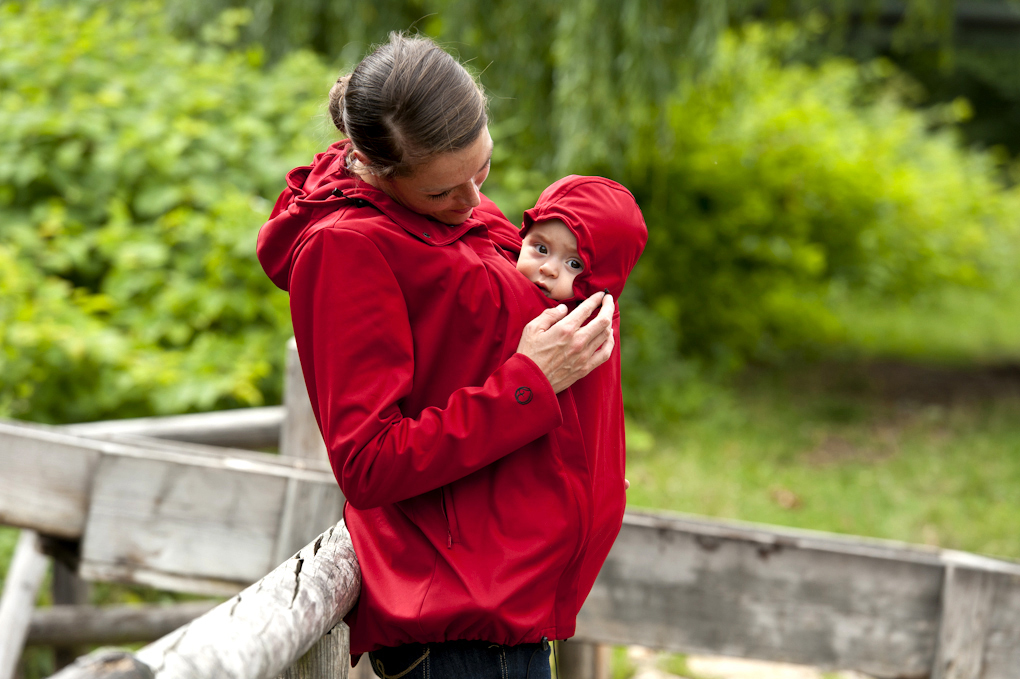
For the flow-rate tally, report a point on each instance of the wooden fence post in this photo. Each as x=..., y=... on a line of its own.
x=330, y=658
x=300, y=437
x=967, y=601
x=583, y=660
x=28, y=567
x=67, y=589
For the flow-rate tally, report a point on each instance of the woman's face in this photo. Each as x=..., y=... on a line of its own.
x=447, y=187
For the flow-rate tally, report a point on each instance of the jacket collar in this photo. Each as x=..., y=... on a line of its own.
x=424, y=229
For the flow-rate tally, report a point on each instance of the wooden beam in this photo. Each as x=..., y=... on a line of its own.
x=251, y=428
x=300, y=439
x=299, y=434
x=672, y=582
x=330, y=658
x=258, y=633
x=67, y=591
x=696, y=585
x=197, y=523
x=44, y=479
x=581, y=660
x=171, y=515
x=966, y=614
x=98, y=625
x=24, y=577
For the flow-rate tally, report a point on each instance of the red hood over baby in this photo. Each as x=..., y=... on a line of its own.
x=607, y=222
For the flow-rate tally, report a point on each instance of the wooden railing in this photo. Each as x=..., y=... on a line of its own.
x=195, y=518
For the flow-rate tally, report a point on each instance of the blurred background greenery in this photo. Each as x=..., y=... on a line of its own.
x=823, y=331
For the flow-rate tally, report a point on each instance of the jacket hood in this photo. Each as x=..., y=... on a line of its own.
x=314, y=191
x=607, y=222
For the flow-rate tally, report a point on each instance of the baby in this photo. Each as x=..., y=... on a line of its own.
x=582, y=237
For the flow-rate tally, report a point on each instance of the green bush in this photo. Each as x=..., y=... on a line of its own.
x=135, y=172
x=778, y=182
x=136, y=169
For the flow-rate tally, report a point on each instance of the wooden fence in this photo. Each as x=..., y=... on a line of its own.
x=192, y=517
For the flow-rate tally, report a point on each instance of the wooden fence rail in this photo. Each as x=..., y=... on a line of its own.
x=670, y=582
x=196, y=518
x=256, y=634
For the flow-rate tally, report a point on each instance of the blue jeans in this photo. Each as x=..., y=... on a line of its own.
x=462, y=660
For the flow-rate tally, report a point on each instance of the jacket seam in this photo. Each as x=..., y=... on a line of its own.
x=425, y=596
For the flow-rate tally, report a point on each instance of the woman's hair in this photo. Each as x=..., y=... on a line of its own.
x=406, y=102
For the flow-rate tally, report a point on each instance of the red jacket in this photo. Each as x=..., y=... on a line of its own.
x=469, y=493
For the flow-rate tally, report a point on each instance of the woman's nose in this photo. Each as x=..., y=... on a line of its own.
x=469, y=195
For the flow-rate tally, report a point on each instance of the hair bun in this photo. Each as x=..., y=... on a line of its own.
x=336, y=102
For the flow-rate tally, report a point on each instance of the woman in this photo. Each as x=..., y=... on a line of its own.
x=448, y=416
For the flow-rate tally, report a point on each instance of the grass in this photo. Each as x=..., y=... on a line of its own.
x=779, y=451
x=959, y=326
x=914, y=434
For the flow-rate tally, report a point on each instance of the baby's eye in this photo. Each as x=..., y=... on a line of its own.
x=543, y=250
x=575, y=264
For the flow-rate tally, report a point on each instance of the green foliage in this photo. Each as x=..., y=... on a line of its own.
x=137, y=168
x=676, y=664
x=621, y=666
x=135, y=172
x=777, y=183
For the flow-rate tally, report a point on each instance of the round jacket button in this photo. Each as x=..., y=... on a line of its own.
x=523, y=395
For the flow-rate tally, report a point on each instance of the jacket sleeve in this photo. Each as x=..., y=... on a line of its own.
x=357, y=354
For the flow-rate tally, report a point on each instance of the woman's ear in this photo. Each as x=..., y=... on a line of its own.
x=359, y=157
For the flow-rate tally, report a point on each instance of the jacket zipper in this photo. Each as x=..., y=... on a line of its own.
x=449, y=531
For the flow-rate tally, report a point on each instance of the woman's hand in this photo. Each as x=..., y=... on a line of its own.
x=563, y=349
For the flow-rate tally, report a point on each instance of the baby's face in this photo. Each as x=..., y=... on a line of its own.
x=549, y=259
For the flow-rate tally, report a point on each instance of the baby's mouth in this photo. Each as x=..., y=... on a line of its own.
x=544, y=288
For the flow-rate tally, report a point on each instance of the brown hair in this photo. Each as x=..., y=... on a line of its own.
x=406, y=102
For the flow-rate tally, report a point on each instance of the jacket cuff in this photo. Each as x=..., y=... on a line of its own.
x=531, y=391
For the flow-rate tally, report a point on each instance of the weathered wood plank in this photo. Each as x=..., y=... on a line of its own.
x=581, y=660
x=299, y=435
x=966, y=615
x=304, y=504
x=183, y=519
x=97, y=625
x=705, y=586
x=195, y=523
x=256, y=634
x=263, y=630
x=46, y=473
x=67, y=591
x=172, y=515
x=44, y=479
x=107, y=663
x=252, y=428
x=1002, y=645
x=329, y=658
x=24, y=577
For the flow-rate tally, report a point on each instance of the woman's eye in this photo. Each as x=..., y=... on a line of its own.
x=439, y=196
x=575, y=264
